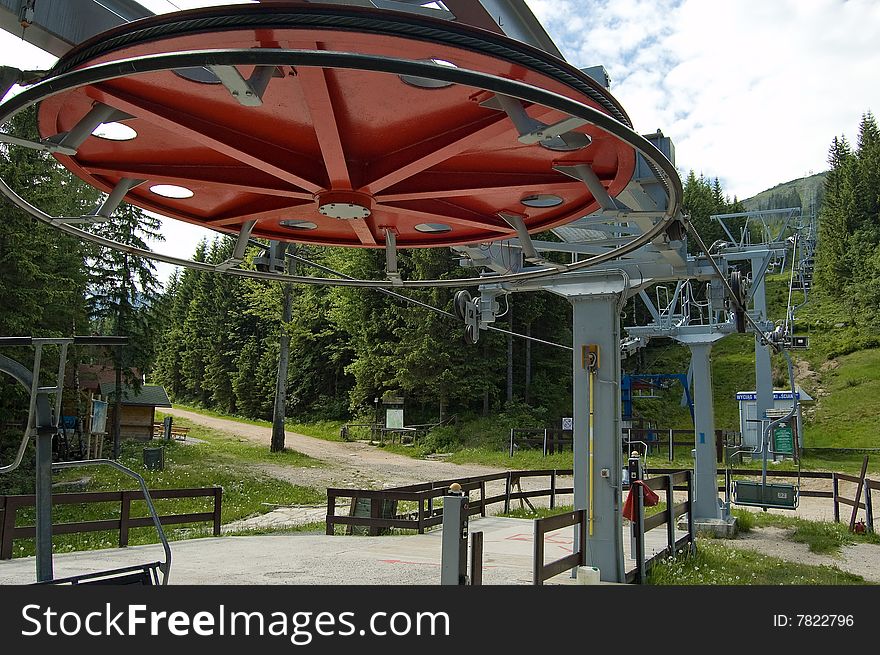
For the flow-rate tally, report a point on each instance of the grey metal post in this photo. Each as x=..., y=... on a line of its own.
x=763, y=369
x=453, y=564
x=597, y=321
x=705, y=466
x=44, y=503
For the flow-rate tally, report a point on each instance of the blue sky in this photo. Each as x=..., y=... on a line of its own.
x=751, y=91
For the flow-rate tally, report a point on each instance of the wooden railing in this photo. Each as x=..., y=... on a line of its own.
x=9, y=506
x=542, y=571
x=426, y=513
x=668, y=483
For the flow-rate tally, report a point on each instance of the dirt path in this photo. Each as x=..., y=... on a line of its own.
x=348, y=464
x=353, y=464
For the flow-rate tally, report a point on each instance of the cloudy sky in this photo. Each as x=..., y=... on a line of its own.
x=751, y=91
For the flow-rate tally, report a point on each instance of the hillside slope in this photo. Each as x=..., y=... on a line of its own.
x=803, y=192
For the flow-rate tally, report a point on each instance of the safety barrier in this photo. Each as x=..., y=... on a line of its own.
x=542, y=571
x=9, y=506
x=668, y=483
x=426, y=513
x=549, y=440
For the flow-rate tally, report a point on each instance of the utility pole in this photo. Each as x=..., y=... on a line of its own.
x=510, y=350
x=277, y=443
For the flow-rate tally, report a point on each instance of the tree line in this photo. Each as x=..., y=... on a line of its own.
x=848, y=256
x=349, y=345
x=213, y=339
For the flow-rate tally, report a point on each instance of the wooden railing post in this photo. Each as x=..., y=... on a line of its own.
x=375, y=514
x=835, y=496
x=538, y=562
x=869, y=508
x=3, y=515
x=218, y=507
x=124, y=516
x=331, y=512
x=507, y=493
x=511, y=442
x=670, y=513
x=476, y=558
x=690, y=504
x=671, y=444
x=638, y=511
x=553, y=489
x=482, y=499
x=858, y=498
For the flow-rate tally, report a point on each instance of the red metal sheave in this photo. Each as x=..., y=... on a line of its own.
x=332, y=156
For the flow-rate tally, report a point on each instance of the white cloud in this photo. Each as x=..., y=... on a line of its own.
x=750, y=91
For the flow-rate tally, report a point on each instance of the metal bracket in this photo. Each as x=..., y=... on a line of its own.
x=72, y=140
x=248, y=92
x=558, y=136
x=391, y=256
x=585, y=173
x=240, y=247
x=517, y=222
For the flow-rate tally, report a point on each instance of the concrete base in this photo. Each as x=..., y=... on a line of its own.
x=718, y=528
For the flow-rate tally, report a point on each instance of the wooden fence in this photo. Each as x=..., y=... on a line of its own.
x=426, y=512
x=542, y=571
x=549, y=440
x=668, y=483
x=9, y=506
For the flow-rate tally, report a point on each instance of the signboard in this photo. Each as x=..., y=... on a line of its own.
x=777, y=395
x=393, y=418
x=99, y=417
x=783, y=440
x=568, y=423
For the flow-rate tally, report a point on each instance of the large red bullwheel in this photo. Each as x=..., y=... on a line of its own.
x=336, y=126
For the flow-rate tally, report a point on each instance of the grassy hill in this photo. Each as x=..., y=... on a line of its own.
x=801, y=192
x=841, y=370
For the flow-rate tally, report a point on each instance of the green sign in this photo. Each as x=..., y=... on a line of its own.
x=783, y=440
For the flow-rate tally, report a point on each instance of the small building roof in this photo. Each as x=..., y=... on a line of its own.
x=149, y=395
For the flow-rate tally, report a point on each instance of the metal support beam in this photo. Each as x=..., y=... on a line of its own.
x=525, y=240
x=706, y=472
x=241, y=245
x=586, y=174
x=99, y=113
x=57, y=25
x=391, y=256
x=598, y=461
x=763, y=367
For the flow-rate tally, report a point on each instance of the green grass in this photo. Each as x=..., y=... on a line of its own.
x=847, y=417
x=820, y=536
x=716, y=564
x=221, y=460
x=327, y=430
x=209, y=412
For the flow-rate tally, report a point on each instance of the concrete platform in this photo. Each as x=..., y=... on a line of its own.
x=330, y=560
